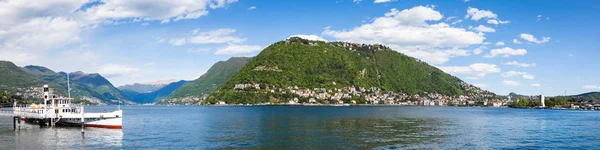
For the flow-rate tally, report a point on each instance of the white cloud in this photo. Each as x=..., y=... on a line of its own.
x=466, y=1
x=505, y=52
x=531, y=38
x=428, y=42
x=571, y=55
x=309, y=37
x=476, y=14
x=516, y=41
x=111, y=70
x=522, y=65
x=511, y=83
x=218, y=36
x=29, y=29
x=237, y=49
x=525, y=75
x=474, y=71
x=539, y=17
x=252, y=8
x=482, y=28
x=383, y=1
x=356, y=1
x=592, y=87
x=500, y=43
x=153, y=10
x=479, y=49
x=536, y=85
x=457, y=21
x=496, y=22
x=177, y=42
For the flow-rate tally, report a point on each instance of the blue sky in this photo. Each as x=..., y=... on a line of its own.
x=528, y=47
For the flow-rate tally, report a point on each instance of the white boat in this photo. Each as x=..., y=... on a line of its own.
x=59, y=111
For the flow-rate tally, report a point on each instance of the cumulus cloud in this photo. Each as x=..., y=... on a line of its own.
x=252, y=8
x=237, y=49
x=473, y=71
x=476, y=14
x=159, y=10
x=536, y=85
x=525, y=75
x=215, y=37
x=383, y=1
x=30, y=28
x=111, y=70
x=482, y=28
x=505, y=52
x=500, y=43
x=309, y=37
x=522, y=65
x=432, y=43
x=511, y=83
x=516, y=41
x=531, y=38
x=496, y=22
x=479, y=49
x=218, y=36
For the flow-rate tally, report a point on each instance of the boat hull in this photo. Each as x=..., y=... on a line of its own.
x=111, y=123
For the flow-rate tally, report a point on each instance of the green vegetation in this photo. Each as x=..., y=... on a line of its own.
x=317, y=64
x=218, y=74
x=15, y=79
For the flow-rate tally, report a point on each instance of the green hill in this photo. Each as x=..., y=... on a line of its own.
x=92, y=88
x=299, y=66
x=218, y=74
x=14, y=79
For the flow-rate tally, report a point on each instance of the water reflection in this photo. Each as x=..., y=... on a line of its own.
x=34, y=137
x=308, y=130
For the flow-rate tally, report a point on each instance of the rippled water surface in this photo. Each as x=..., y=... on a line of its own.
x=158, y=127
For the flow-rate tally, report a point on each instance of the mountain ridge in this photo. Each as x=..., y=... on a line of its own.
x=311, y=65
x=216, y=75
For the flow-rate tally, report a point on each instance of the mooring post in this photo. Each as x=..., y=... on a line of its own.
x=19, y=123
x=82, y=121
x=14, y=123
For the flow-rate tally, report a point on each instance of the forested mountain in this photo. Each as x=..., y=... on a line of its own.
x=91, y=88
x=218, y=74
x=15, y=80
x=288, y=69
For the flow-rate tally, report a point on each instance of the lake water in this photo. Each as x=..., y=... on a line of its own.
x=158, y=127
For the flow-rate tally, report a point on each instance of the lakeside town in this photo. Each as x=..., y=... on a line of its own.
x=375, y=96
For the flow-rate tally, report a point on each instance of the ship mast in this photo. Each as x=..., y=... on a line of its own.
x=68, y=86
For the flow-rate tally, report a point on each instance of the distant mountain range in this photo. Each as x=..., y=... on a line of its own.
x=145, y=87
x=155, y=95
x=218, y=74
x=92, y=87
x=88, y=88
